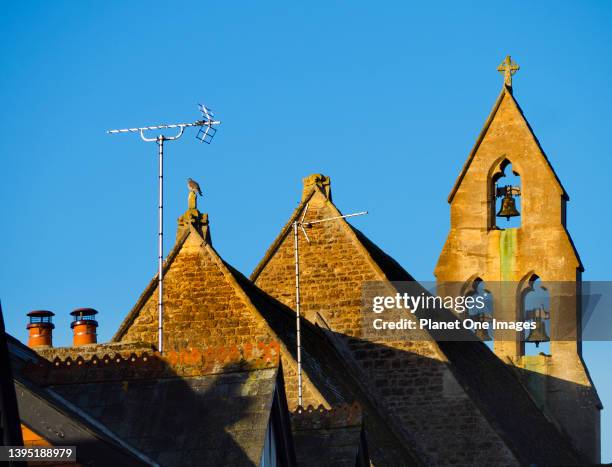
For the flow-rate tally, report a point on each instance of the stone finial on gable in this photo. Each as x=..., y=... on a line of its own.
x=508, y=67
x=193, y=217
x=319, y=181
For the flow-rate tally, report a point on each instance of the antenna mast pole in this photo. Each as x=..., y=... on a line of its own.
x=205, y=135
x=296, y=245
x=160, y=247
x=296, y=249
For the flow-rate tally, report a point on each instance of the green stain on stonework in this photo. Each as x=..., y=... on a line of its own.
x=507, y=248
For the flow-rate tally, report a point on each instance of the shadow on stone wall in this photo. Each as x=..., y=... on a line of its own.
x=472, y=409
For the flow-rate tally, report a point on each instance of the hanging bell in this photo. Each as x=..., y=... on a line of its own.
x=508, y=207
x=538, y=334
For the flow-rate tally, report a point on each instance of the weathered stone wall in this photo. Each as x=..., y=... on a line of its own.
x=409, y=381
x=204, y=307
x=540, y=246
x=332, y=272
x=201, y=308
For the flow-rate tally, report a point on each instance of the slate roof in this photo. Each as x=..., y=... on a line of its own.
x=327, y=369
x=48, y=414
x=321, y=363
x=209, y=407
x=492, y=385
x=218, y=419
x=329, y=437
x=151, y=405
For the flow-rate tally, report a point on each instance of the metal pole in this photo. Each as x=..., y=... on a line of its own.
x=308, y=224
x=160, y=266
x=296, y=247
x=206, y=133
x=297, y=310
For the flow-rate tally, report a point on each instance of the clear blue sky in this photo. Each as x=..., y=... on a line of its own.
x=386, y=98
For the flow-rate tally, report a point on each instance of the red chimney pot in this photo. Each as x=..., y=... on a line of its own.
x=84, y=326
x=40, y=329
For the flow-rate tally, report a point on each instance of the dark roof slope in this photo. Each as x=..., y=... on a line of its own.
x=10, y=430
x=327, y=370
x=217, y=419
x=492, y=385
x=329, y=437
x=61, y=423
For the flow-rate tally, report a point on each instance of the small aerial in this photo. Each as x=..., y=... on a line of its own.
x=205, y=134
x=207, y=130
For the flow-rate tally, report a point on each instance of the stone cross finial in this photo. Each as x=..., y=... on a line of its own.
x=508, y=67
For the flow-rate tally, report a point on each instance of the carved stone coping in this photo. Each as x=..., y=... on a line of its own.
x=340, y=416
x=152, y=365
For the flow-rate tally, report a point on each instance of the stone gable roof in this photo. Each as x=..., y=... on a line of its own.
x=413, y=383
x=506, y=93
x=262, y=318
x=433, y=386
x=200, y=294
x=209, y=304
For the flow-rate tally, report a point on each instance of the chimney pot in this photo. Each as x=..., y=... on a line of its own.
x=40, y=329
x=84, y=326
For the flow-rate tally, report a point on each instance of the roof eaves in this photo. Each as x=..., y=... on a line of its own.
x=37, y=405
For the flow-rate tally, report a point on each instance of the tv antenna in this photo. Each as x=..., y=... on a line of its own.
x=205, y=134
x=299, y=225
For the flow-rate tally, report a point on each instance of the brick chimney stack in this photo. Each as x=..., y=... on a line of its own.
x=40, y=329
x=84, y=326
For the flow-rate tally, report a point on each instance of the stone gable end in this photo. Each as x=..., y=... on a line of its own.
x=202, y=308
x=409, y=381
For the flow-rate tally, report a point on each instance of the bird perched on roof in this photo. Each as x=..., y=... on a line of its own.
x=194, y=187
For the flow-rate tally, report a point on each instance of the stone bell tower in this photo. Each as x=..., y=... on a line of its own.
x=480, y=248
